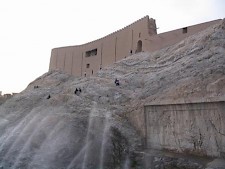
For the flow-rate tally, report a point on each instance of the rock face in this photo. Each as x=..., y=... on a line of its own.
x=103, y=126
x=3, y=98
x=63, y=131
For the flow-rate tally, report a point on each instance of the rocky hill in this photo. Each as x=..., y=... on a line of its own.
x=49, y=126
x=4, y=97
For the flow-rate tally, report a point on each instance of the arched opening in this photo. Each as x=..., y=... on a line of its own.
x=139, y=46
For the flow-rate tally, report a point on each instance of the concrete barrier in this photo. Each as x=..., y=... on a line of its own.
x=193, y=128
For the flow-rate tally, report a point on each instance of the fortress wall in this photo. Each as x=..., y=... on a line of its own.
x=114, y=47
x=140, y=32
x=123, y=44
x=118, y=45
x=196, y=128
x=61, y=60
x=108, y=51
x=93, y=61
x=163, y=40
x=68, y=61
x=77, y=60
x=53, y=60
x=152, y=30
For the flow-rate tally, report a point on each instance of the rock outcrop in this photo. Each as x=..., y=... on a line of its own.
x=103, y=126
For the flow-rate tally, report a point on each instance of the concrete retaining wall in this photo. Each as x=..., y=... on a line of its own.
x=195, y=128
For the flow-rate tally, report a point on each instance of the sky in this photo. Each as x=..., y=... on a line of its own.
x=29, y=29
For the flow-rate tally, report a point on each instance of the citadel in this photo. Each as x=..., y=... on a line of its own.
x=140, y=36
x=166, y=112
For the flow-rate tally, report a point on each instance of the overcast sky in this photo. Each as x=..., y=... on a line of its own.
x=29, y=29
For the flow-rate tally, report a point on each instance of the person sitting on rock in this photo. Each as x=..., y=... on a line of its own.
x=117, y=82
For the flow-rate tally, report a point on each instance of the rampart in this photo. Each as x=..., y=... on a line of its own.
x=166, y=39
x=89, y=58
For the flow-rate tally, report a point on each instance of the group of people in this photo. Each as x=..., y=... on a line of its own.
x=78, y=90
x=35, y=87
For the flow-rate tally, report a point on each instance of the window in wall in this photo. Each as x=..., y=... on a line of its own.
x=91, y=52
x=87, y=65
x=185, y=30
x=139, y=35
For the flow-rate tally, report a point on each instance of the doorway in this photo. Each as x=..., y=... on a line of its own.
x=139, y=46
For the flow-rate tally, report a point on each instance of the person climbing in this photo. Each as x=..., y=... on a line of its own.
x=75, y=92
x=49, y=96
x=35, y=87
x=117, y=82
